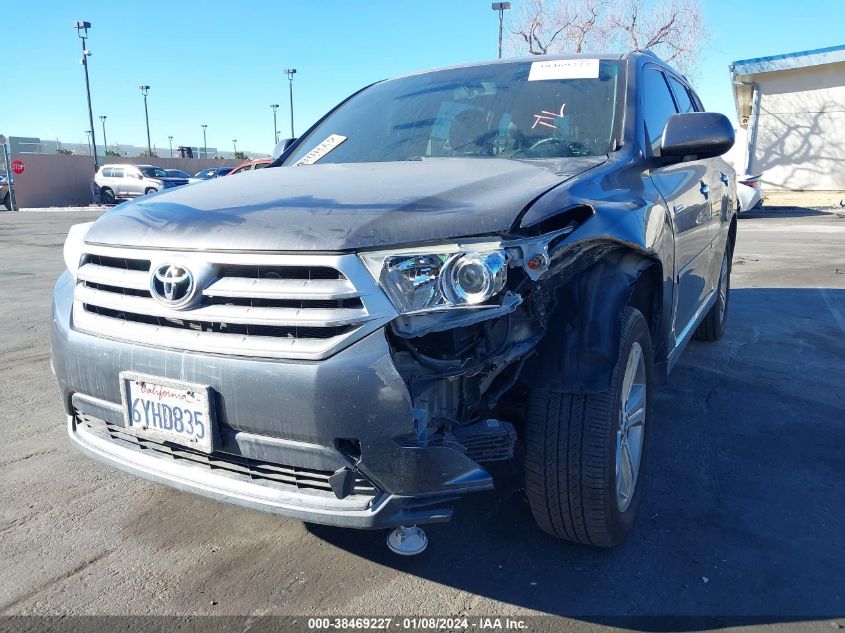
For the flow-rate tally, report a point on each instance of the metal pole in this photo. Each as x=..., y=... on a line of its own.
x=8, y=163
x=204, y=143
x=88, y=136
x=85, y=55
x=147, y=118
x=290, y=72
x=170, y=140
x=105, y=143
x=501, y=24
x=235, y=144
x=501, y=7
x=274, y=107
x=290, y=84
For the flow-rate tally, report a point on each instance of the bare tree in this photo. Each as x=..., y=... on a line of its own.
x=673, y=29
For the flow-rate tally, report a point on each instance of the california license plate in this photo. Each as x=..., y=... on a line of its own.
x=164, y=410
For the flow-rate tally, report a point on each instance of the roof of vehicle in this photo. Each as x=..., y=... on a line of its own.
x=535, y=58
x=253, y=161
x=128, y=165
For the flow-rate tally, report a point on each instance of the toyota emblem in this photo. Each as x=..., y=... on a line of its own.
x=172, y=285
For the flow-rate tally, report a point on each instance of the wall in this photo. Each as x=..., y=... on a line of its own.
x=801, y=129
x=56, y=180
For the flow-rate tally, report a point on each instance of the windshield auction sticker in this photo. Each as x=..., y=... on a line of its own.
x=321, y=150
x=564, y=69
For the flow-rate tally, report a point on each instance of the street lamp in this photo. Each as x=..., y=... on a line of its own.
x=290, y=72
x=501, y=7
x=235, y=145
x=105, y=143
x=170, y=139
x=204, y=143
x=88, y=138
x=274, y=107
x=144, y=90
x=82, y=31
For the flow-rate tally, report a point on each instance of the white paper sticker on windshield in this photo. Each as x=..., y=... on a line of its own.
x=564, y=69
x=332, y=141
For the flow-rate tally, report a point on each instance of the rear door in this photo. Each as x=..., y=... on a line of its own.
x=686, y=189
x=118, y=181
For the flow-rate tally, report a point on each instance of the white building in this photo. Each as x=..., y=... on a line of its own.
x=791, y=111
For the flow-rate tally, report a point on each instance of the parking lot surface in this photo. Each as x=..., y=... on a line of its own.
x=743, y=515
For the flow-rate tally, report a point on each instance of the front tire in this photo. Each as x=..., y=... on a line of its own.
x=585, y=453
x=7, y=201
x=149, y=190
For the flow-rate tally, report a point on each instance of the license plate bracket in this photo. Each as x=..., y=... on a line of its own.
x=165, y=410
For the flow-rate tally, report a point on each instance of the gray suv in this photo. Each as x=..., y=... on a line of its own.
x=475, y=264
x=121, y=182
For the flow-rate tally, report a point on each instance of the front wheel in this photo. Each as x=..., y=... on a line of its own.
x=149, y=190
x=7, y=201
x=585, y=453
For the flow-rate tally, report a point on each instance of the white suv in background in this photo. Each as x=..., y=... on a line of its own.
x=115, y=182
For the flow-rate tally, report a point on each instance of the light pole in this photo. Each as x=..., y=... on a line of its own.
x=82, y=31
x=144, y=90
x=290, y=72
x=170, y=139
x=235, y=145
x=501, y=7
x=204, y=143
x=88, y=138
x=274, y=107
x=103, y=118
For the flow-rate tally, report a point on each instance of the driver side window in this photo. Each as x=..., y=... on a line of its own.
x=658, y=106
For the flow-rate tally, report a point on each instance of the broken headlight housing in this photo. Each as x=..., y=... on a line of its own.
x=439, y=279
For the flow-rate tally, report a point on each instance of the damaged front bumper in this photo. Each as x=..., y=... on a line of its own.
x=283, y=429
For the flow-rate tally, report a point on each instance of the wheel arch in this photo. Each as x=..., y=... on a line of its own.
x=579, y=349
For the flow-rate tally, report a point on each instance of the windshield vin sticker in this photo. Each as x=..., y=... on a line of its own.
x=564, y=69
x=332, y=141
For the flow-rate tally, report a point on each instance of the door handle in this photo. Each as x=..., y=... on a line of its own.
x=705, y=189
x=724, y=178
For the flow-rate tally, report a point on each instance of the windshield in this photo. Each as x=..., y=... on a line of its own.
x=153, y=172
x=481, y=111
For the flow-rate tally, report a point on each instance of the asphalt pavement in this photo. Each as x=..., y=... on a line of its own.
x=742, y=522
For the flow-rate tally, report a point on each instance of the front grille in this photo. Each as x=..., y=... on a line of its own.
x=277, y=476
x=274, y=306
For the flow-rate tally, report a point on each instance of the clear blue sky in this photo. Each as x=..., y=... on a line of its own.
x=221, y=62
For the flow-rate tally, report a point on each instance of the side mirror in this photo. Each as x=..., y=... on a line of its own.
x=695, y=135
x=281, y=146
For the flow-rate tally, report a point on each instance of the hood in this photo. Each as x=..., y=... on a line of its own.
x=337, y=207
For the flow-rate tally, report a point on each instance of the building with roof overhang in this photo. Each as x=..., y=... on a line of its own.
x=791, y=112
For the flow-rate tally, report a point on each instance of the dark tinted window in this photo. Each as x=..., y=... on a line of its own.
x=260, y=165
x=118, y=173
x=223, y=171
x=682, y=97
x=658, y=106
x=108, y=172
x=153, y=172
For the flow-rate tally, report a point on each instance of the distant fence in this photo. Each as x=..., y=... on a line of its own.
x=57, y=180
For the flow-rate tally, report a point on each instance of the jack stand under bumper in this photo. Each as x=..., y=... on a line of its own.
x=407, y=541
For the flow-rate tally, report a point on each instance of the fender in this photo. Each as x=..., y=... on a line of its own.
x=579, y=350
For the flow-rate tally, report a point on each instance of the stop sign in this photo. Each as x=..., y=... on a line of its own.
x=18, y=167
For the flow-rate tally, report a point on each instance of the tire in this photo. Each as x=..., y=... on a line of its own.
x=107, y=196
x=149, y=190
x=713, y=327
x=572, y=445
x=7, y=201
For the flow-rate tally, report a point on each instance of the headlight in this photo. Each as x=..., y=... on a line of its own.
x=73, y=246
x=435, y=279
